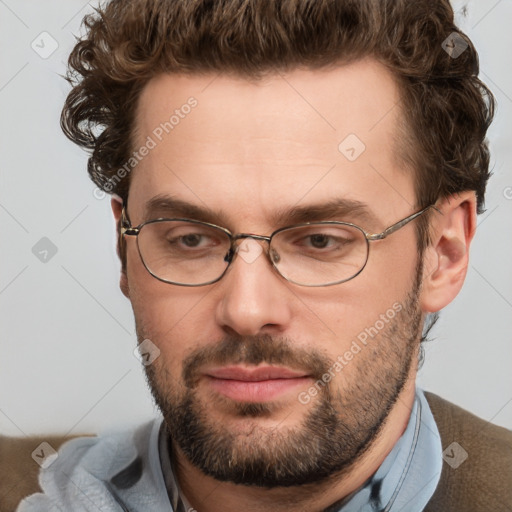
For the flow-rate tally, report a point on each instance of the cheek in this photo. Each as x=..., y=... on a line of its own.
x=172, y=317
x=384, y=284
x=153, y=301
x=392, y=263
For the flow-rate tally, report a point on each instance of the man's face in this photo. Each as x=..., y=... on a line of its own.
x=241, y=374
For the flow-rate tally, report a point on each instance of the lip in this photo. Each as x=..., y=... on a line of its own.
x=256, y=384
x=254, y=374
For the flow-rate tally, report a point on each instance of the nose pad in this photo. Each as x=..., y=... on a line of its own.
x=229, y=255
x=250, y=248
x=274, y=255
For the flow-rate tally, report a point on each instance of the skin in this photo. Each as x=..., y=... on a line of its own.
x=247, y=148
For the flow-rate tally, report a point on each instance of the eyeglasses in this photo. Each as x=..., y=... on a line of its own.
x=188, y=252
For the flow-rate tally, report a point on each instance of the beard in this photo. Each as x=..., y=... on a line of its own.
x=341, y=424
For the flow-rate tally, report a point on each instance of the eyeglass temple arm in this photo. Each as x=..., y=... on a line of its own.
x=400, y=224
x=126, y=228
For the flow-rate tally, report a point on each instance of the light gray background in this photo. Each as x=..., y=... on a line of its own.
x=67, y=334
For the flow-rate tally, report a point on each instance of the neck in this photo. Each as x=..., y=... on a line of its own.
x=206, y=494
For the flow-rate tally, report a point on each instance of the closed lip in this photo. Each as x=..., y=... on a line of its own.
x=254, y=374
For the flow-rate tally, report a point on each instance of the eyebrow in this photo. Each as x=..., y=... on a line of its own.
x=166, y=206
x=343, y=209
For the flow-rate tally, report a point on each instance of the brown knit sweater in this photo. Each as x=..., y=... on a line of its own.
x=483, y=482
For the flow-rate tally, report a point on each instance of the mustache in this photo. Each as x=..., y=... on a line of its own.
x=254, y=350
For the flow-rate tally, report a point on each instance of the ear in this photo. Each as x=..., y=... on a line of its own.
x=446, y=258
x=117, y=208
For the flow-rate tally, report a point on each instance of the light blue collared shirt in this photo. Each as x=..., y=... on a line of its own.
x=409, y=475
x=131, y=471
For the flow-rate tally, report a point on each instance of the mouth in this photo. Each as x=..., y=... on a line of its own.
x=255, y=384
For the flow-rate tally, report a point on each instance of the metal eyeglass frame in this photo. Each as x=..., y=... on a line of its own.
x=129, y=230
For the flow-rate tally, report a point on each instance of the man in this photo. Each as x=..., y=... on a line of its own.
x=296, y=186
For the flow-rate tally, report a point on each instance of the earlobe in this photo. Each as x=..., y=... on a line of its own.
x=446, y=258
x=116, y=204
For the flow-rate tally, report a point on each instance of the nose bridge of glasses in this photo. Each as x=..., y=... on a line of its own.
x=244, y=236
x=236, y=246
x=244, y=249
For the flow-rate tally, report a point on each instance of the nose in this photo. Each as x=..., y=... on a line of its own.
x=253, y=297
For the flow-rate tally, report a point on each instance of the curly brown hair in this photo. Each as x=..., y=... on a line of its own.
x=128, y=42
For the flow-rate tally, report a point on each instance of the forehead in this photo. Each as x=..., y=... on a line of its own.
x=247, y=148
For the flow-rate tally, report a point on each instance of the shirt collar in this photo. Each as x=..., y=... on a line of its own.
x=178, y=501
x=409, y=475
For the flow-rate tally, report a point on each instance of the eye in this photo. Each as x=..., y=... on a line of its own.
x=323, y=242
x=324, y=238
x=320, y=241
x=192, y=239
